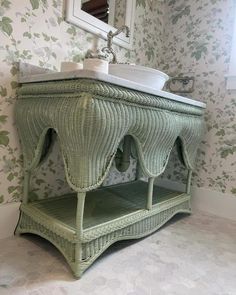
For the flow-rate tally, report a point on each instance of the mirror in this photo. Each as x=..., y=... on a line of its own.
x=102, y=16
x=110, y=12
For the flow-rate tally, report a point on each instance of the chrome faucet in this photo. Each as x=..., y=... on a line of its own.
x=108, y=49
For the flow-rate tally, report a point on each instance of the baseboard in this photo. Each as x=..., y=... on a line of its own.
x=203, y=199
x=9, y=214
x=214, y=202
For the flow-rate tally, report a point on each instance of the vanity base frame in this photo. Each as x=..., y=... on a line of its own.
x=81, y=251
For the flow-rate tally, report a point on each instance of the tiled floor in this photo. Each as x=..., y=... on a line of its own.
x=191, y=255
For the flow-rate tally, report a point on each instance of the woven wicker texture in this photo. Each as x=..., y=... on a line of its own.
x=91, y=118
x=102, y=205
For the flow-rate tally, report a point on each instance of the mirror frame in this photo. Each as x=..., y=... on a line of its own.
x=80, y=18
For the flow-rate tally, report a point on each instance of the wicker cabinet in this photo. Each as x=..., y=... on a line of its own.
x=91, y=118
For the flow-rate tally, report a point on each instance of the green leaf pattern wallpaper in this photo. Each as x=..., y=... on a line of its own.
x=178, y=37
x=198, y=40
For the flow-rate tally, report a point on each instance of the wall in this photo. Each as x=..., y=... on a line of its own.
x=34, y=31
x=198, y=36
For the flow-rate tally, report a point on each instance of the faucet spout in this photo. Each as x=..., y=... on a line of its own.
x=108, y=49
x=111, y=35
x=124, y=29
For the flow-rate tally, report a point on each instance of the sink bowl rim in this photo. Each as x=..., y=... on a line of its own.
x=142, y=68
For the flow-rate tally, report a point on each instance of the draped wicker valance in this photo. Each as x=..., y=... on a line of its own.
x=91, y=118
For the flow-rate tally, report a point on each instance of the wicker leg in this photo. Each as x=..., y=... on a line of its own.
x=138, y=174
x=150, y=193
x=188, y=186
x=26, y=186
x=79, y=233
x=25, y=198
x=76, y=267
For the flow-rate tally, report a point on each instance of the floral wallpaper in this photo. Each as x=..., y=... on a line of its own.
x=34, y=31
x=176, y=36
x=198, y=36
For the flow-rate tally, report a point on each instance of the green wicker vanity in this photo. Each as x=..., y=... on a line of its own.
x=91, y=118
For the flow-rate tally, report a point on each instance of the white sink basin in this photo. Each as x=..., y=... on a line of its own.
x=142, y=75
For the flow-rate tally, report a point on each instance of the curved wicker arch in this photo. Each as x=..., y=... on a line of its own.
x=38, y=157
x=47, y=145
x=182, y=154
x=140, y=153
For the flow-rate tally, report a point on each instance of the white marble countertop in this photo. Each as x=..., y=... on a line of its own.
x=31, y=76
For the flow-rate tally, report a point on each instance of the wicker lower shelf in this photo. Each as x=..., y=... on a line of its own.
x=110, y=214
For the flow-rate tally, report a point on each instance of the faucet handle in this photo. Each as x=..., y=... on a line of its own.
x=100, y=54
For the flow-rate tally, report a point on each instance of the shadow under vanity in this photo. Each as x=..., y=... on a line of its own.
x=91, y=114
